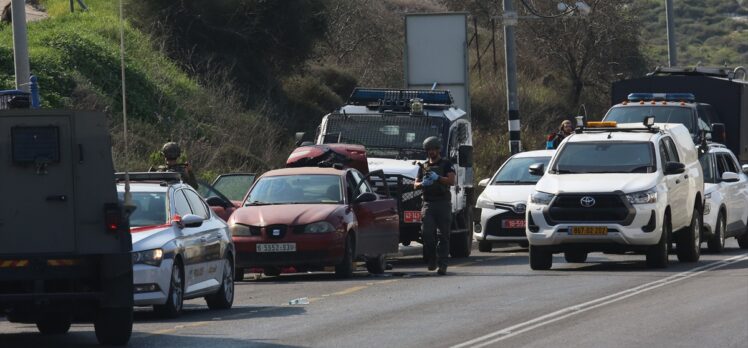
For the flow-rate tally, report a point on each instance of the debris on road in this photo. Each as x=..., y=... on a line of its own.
x=299, y=301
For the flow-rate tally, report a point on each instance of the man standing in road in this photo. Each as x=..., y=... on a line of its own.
x=435, y=178
x=171, y=152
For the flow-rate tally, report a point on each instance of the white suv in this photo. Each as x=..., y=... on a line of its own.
x=617, y=189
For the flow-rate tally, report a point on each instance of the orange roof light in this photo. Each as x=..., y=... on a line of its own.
x=602, y=124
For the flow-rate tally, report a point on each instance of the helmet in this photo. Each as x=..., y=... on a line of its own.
x=171, y=150
x=432, y=143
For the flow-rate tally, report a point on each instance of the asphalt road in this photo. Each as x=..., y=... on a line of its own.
x=490, y=299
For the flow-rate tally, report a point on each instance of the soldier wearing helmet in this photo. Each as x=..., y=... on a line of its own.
x=435, y=177
x=171, y=152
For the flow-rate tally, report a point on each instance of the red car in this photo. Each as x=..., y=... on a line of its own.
x=312, y=217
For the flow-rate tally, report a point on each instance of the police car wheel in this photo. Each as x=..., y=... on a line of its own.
x=113, y=326
x=174, y=302
x=224, y=298
x=53, y=324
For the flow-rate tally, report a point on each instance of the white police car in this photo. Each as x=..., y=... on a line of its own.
x=181, y=248
x=503, y=201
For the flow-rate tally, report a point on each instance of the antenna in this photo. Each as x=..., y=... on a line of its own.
x=128, y=195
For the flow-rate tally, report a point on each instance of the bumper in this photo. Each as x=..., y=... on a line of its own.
x=147, y=275
x=643, y=230
x=319, y=250
x=490, y=227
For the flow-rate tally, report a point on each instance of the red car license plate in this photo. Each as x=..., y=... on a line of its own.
x=412, y=216
x=513, y=223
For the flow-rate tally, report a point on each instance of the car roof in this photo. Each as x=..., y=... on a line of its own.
x=535, y=153
x=304, y=170
x=611, y=136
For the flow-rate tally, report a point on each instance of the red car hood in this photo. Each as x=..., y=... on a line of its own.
x=286, y=214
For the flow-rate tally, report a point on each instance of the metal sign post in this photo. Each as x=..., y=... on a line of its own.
x=20, y=45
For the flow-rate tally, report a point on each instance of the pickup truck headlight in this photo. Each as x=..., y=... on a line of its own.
x=643, y=197
x=319, y=227
x=539, y=197
x=151, y=257
x=484, y=203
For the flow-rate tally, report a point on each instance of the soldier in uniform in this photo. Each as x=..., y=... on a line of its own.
x=171, y=152
x=435, y=178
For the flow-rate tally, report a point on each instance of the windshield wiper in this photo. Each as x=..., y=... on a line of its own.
x=564, y=171
x=259, y=203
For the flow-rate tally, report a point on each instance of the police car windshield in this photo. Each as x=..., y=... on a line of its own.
x=662, y=114
x=296, y=189
x=516, y=171
x=605, y=157
x=384, y=135
x=150, y=208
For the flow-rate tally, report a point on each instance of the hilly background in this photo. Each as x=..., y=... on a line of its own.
x=232, y=80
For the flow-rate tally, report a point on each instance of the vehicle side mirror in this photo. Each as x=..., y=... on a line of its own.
x=536, y=169
x=299, y=137
x=365, y=197
x=719, y=133
x=215, y=201
x=465, y=156
x=745, y=168
x=730, y=177
x=674, y=168
x=192, y=220
x=483, y=183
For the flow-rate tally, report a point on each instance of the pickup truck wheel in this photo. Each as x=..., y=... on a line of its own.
x=575, y=256
x=461, y=245
x=688, y=245
x=657, y=255
x=224, y=298
x=716, y=243
x=113, y=326
x=346, y=267
x=485, y=246
x=377, y=264
x=174, y=302
x=53, y=324
x=540, y=259
x=743, y=240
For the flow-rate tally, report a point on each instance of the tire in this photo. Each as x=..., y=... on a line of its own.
x=688, y=244
x=346, y=267
x=113, y=326
x=716, y=243
x=575, y=256
x=743, y=240
x=271, y=271
x=239, y=274
x=53, y=324
x=540, y=259
x=485, y=246
x=524, y=244
x=376, y=265
x=224, y=298
x=175, y=301
x=461, y=245
x=657, y=255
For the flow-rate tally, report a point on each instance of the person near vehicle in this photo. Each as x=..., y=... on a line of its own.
x=171, y=152
x=564, y=130
x=435, y=178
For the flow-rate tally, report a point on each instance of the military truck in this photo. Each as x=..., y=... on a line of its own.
x=392, y=125
x=64, y=238
x=720, y=95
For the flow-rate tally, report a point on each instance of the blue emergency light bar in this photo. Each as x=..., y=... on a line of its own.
x=375, y=95
x=674, y=97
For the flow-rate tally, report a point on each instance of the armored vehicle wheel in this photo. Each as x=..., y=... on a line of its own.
x=53, y=324
x=113, y=326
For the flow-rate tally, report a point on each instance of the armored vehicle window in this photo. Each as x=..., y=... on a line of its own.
x=35, y=144
x=198, y=207
x=181, y=206
x=662, y=114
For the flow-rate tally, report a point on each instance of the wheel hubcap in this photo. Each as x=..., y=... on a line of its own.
x=176, y=286
x=228, y=283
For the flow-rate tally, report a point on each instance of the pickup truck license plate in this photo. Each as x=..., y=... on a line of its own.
x=275, y=247
x=588, y=230
x=412, y=216
x=513, y=223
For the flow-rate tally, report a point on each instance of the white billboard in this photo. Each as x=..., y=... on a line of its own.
x=436, y=53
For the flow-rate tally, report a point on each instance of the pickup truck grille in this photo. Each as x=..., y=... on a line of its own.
x=612, y=208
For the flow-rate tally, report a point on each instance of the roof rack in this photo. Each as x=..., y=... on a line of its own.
x=366, y=96
x=694, y=71
x=150, y=176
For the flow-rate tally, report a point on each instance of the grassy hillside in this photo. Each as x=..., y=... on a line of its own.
x=76, y=57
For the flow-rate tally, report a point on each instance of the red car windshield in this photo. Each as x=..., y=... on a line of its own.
x=296, y=189
x=150, y=208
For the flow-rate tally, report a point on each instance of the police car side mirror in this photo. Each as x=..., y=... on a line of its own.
x=192, y=220
x=537, y=169
x=465, y=156
x=719, y=133
x=730, y=177
x=674, y=168
x=483, y=183
x=365, y=197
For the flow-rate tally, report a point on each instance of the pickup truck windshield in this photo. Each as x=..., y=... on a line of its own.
x=662, y=114
x=516, y=171
x=605, y=157
x=388, y=136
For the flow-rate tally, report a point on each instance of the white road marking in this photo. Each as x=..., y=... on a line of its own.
x=564, y=313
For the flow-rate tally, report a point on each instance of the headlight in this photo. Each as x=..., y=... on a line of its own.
x=643, y=197
x=151, y=257
x=539, y=197
x=240, y=230
x=319, y=227
x=483, y=203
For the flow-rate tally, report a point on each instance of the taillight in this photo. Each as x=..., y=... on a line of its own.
x=113, y=218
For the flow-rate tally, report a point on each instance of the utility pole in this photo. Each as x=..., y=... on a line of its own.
x=671, y=49
x=510, y=59
x=20, y=44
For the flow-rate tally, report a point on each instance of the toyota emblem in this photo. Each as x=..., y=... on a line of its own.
x=519, y=208
x=587, y=201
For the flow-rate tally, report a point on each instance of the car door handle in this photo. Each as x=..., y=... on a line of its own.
x=59, y=198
